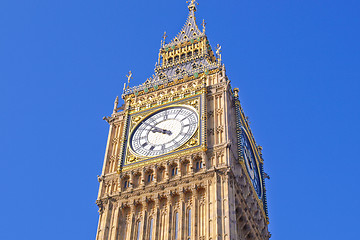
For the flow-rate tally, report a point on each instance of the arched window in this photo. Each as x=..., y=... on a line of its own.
x=198, y=165
x=176, y=58
x=196, y=52
x=182, y=56
x=174, y=171
x=125, y=183
x=189, y=54
x=150, y=177
x=176, y=225
x=138, y=230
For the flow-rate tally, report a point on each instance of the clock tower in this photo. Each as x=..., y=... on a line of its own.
x=181, y=162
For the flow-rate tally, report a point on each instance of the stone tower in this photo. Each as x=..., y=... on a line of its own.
x=181, y=162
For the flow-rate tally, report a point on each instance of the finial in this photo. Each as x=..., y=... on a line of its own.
x=236, y=92
x=164, y=36
x=163, y=40
x=203, y=25
x=128, y=82
x=116, y=102
x=218, y=52
x=129, y=77
x=192, y=5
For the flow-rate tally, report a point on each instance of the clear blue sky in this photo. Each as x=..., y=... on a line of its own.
x=62, y=63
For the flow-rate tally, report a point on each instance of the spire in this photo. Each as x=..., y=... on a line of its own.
x=190, y=30
x=187, y=54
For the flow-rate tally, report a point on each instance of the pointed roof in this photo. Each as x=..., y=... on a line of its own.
x=190, y=30
x=203, y=62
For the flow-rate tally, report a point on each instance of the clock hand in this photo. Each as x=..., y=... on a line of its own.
x=166, y=132
x=160, y=130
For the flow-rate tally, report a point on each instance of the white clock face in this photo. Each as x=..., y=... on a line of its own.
x=164, y=131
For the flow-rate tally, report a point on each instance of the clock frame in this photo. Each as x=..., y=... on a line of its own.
x=166, y=132
x=194, y=143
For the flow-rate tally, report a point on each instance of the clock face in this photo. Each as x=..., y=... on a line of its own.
x=251, y=164
x=164, y=131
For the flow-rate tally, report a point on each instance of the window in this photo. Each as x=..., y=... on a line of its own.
x=138, y=230
x=150, y=177
x=126, y=184
x=174, y=171
x=151, y=228
x=189, y=222
x=199, y=165
x=176, y=225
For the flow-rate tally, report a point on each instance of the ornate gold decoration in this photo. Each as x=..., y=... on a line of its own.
x=194, y=103
x=131, y=158
x=193, y=142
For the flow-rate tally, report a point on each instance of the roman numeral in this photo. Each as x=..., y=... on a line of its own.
x=178, y=113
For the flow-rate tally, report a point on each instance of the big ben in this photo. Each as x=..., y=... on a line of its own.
x=181, y=162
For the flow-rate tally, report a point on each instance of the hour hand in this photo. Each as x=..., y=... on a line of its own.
x=159, y=130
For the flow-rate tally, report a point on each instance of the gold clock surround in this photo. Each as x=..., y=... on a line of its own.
x=132, y=158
